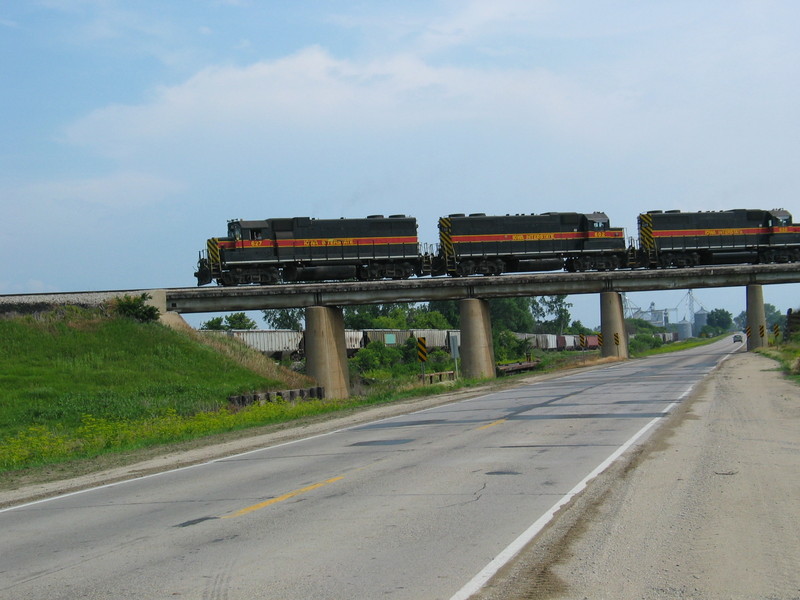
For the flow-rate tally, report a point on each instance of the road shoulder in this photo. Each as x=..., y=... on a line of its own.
x=707, y=507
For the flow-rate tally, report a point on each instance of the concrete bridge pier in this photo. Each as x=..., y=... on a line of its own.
x=477, y=352
x=612, y=326
x=326, y=351
x=757, y=335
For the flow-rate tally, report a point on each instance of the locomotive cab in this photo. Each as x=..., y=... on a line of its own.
x=597, y=221
x=784, y=237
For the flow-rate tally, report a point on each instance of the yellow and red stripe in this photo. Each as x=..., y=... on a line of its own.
x=725, y=231
x=319, y=242
x=711, y=232
x=537, y=237
x=348, y=241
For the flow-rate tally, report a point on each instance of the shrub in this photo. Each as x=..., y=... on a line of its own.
x=135, y=307
x=642, y=343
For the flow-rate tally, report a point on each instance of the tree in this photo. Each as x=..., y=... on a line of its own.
x=285, y=318
x=641, y=327
x=395, y=316
x=448, y=309
x=233, y=321
x=555, y=306
x=429, y=319
x=214, y=324
x=239, y=320
x=772, y=314
x=720, y=319
x=363, y=317
x=577, y=328
x=512, y=314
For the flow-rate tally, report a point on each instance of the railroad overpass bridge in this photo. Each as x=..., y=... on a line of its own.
x=325, y=348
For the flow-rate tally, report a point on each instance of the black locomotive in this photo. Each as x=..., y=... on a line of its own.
x=480, y=244
x=686, y=239
x=305, y=249
x=377, y=247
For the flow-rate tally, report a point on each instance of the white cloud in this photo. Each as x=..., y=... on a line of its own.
x=117, y=190
x=690, y=98
x=313, y=91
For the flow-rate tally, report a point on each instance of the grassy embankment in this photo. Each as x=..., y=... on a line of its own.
x=75, y=384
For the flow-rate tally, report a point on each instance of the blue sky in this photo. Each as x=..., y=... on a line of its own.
x=133, y=130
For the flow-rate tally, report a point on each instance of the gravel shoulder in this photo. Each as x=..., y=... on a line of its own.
x=707, y=508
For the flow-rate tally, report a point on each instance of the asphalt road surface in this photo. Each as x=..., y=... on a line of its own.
x=425, y=505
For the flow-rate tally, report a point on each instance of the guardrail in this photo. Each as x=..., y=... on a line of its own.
x=430, y=378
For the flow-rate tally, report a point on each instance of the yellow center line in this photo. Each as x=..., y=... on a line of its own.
x=492, y=424
x=286, y=496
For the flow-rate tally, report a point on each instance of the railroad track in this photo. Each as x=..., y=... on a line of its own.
x=27, y=303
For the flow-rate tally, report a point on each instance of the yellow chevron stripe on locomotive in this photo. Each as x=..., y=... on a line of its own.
x=646, y=238
x=213, y=255
x=446, y=244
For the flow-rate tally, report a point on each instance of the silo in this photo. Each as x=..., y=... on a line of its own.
x=700, y=321
x=684, y=330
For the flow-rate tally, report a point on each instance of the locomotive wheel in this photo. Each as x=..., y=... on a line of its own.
x=499, y=266
x=371, y=272
x=583, y=263
x=465, y=268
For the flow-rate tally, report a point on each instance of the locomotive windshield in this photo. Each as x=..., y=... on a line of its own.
x=780, y=218
x=598, y=221
x=235, y=230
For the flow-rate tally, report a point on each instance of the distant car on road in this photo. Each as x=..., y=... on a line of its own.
x=737, y=337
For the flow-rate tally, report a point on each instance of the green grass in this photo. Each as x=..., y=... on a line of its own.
x=676, y=346
x=57, y=372
x=76, y=383
x=788, y=355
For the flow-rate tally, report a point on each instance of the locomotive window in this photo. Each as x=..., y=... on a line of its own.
x=255, y=234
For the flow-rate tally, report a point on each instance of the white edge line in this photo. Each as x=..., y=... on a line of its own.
x=214, y=460
x=499, y=561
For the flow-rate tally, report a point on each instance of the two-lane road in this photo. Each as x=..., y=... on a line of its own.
x=425, y=505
